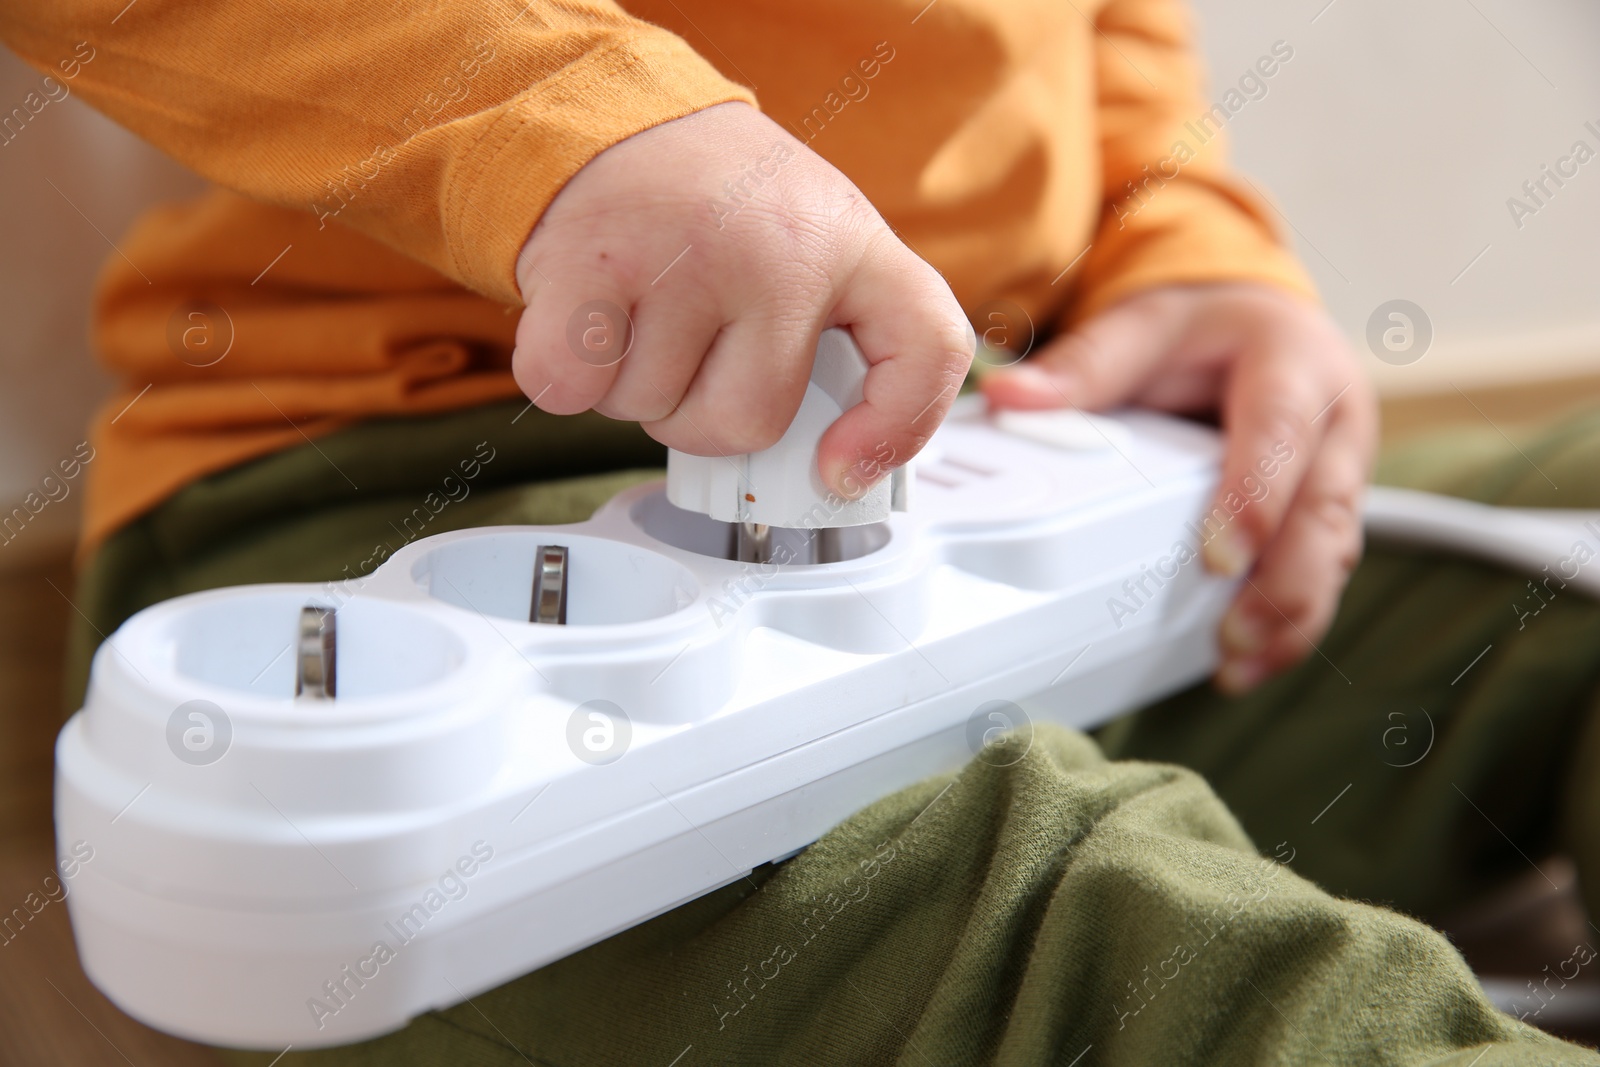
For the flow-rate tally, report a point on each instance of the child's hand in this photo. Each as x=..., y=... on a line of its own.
x=1285, y=382
x=731, y=246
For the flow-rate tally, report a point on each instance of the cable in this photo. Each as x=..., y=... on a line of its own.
x=1525, y=539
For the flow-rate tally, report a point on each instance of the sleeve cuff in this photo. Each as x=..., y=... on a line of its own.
x=547, y=134
x=1196, y=231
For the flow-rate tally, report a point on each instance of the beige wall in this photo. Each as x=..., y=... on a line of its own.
x=1392, y=142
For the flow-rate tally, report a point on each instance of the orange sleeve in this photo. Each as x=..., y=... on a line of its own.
x=441, y=129
x=1172, y=213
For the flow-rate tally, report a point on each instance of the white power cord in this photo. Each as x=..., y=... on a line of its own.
x=1525, y=539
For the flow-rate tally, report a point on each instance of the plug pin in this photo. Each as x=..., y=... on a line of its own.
x=753, y=542
x=549, y=585
x=316, y=675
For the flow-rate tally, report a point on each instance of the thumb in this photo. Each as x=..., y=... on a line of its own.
x=918, y=344
x=1102, y=363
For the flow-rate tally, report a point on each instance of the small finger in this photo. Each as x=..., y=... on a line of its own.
x=745, y=393
x=1274, y=414
x=1286, y=606
x=673, y=332
x=1102, y=363
x=570, y=341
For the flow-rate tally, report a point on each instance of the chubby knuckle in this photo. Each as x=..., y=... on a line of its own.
x=1280, y=421
x=1334, y=509
x=1333, y=518
x=1303, y=601
x=950, y=347
x=747, y=427
x=1260, y=520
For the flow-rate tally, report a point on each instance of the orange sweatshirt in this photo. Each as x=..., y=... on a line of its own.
x=392, y=159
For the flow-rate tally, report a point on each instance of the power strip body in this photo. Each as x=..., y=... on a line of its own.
x=316, y=873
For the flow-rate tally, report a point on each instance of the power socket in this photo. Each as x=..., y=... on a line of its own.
x=460, y=795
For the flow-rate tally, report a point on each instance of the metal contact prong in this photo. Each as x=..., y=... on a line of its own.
x=316, y=659
x=753, y=542
x=829, y=545
x=549, y=585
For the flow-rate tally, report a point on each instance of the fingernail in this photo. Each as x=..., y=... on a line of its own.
x=1229, y=553
x=1237, y=677
x=1243, y=633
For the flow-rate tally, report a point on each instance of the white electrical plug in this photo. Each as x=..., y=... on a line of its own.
x=782, y=486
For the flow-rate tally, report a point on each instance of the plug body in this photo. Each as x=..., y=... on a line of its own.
x=781, y=486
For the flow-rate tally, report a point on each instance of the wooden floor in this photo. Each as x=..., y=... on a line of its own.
x=1505, y=408
x=50, y=1014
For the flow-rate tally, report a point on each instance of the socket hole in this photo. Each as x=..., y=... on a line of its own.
x=608, y=582
x=705, y=536
x=246, y=643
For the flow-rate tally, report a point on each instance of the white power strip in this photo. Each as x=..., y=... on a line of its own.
x=484, y=795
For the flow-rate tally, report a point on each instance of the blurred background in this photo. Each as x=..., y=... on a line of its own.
x=1392, y=144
